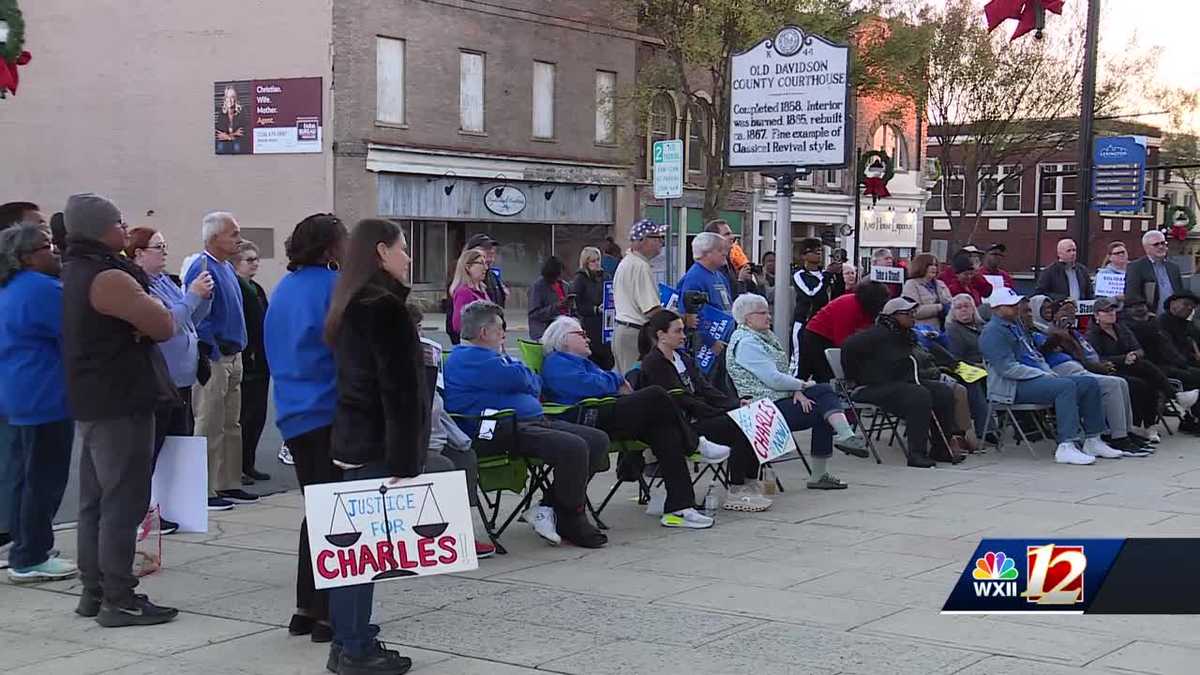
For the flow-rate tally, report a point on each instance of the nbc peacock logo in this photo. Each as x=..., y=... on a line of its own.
x=995, y=576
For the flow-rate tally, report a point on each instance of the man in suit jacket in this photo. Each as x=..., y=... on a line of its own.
x=1066, y=278
x=1153, y=278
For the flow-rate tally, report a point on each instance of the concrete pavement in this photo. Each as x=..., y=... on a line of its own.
x=825, y=582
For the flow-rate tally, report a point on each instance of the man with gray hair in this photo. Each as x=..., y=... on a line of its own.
x=1153, y=278
x=480, y=378
x=222, y=336
x=706, y=275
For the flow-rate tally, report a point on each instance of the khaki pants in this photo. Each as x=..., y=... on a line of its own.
x=218, y=406
x=625, y=347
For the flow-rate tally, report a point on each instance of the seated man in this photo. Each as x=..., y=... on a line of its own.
x=880, y=361
x=1162, y=339
x=648, y=415
x=1017, y=373
x=479, y=377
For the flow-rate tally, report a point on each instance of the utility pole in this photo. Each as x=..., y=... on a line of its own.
x=1087, y=114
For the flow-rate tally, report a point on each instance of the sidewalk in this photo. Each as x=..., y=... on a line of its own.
x=825, y=582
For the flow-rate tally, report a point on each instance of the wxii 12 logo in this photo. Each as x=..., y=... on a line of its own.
x=1055, y=574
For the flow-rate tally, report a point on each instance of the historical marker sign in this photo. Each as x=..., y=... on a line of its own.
x=668, y=169
x=789, y=101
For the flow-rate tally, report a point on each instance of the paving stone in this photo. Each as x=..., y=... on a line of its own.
x=464, y=666
x=1007, y=665
x=788, y=606
x=824, y=559
x=629, y=657
x=261, y=567
x=261, y=539
x=22, y=649
x=873, y=587
x=274, y=652
x=495, y=637
x=919, y=545
x=586, y=578
x=774, y=572
x=83, y=663
x=260, y=514
x=1151, y=657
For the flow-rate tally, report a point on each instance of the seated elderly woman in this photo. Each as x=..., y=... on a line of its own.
x=648, y=415
x=758, y=366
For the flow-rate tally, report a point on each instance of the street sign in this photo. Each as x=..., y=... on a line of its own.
x=789, y=103
x=668, y=169
x=1119, y=174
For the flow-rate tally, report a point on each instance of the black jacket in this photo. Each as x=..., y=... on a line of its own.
x=254, y=309
x=589, y=304
x=495, y=289
x=1182, y=334
x=879, y=355
x=1053, y=282
x=1141, y=283
x=1114, y=350
x=813, y=291
x=383, y=405
x=700, y=400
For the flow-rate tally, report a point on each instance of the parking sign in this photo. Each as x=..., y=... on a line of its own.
x=668, y=169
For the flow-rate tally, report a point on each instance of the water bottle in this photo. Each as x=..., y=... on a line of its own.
x=711, y=501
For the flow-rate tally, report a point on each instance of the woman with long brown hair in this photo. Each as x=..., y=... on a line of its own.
x=382, y=422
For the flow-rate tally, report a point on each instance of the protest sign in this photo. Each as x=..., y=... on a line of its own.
x=715, y=326
x=668, y=297
x=371, y=530
x=610, y=312
x=1085, y=307
x=995, y=280
x=1109, y=284
x=887, y=275
x=180, y=483
x=764, y=426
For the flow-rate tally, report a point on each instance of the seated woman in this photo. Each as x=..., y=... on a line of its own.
x=758, y=365
x=930, y=293
x=844, y=316
x=648, y=415
x=704, y=405
x=1069, y=353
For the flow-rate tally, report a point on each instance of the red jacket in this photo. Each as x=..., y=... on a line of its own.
x=951, y=280
x=982, y=286
x=840, y=319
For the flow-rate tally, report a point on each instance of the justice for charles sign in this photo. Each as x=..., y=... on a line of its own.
x=371, y=530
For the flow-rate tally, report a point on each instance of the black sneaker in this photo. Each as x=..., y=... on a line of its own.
x=89, y=604
x=255, y=474
x=238, y=496
x=218, y=504
x=921, y=461
x=321, y=632
x=577, y=529
x=139, y=612
x=378, y=661
x=167, y=526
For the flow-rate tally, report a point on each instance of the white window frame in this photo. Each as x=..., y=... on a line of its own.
x=606, y=107
x=476, y=91
x=1006, y=176
x=1060, y=205
x=390, y=98
x=542, y=104
x=833, y=178
x=899, y=145
x=692, y=113
x=938, y=190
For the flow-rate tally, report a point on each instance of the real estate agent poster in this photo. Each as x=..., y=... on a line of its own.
x=262, y=117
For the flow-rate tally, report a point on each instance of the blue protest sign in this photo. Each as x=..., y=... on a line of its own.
x=610, y=312
x=714, y=326
x=668, y=297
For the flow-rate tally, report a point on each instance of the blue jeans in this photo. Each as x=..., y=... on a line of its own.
x=41, y=463
x=825, y=402
x=1075, y=397
x=350, y=606
x=977, y=400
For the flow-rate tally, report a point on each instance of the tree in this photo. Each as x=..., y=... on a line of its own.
x=696, y=38
x=1183, y=148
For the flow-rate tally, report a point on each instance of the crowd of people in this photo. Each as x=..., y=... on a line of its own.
x=99, y=341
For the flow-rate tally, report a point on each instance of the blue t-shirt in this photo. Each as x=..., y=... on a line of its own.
x=712, y=282
x=302, y=365
x=33, y=385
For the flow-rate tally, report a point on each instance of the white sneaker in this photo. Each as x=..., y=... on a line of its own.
x=544, y=523
x=658, y=499
x=1187, y=399
x=746, y=499
x=713, y=452
x=285, y=456
x=689, y=518
x=1098, y=448
x=1067, y=453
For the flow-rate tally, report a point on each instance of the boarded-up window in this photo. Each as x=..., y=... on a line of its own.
x=543, y=99
x=606, y=91
x=389, y=80
x=470, y=91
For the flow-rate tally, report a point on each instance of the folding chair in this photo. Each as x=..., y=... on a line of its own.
x=880, y=420
x=1170, y=408
x=1010, y=410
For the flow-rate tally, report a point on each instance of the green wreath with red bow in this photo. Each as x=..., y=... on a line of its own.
x=12, y=52
x=875, y=183
x=1179, y=221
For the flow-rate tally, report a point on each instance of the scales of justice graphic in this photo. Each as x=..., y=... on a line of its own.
x=345, y=538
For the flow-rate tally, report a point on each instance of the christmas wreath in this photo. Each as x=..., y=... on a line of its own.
x=875, y=170
x=11, y=14
x=1179, y=220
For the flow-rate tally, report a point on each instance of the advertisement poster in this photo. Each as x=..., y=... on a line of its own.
x=763, y=425
x=372, y=530
x=264, y=117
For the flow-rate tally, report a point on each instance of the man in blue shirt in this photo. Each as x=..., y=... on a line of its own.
x=709, y=251
x=222, y=338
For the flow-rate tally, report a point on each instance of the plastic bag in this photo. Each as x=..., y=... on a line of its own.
x=147, y=556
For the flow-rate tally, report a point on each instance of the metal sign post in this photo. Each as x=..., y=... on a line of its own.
x=668, y=185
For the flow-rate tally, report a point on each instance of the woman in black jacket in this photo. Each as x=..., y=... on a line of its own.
x=381, y=426
x=588, y=289
x=548, y=298
x=704, y=405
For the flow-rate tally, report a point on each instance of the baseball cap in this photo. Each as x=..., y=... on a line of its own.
x=997, y=247
x=900, y=304
x=646, y=228
x=970, y=248
x=1105, y=304
x=482, y=240
x=1004, y=297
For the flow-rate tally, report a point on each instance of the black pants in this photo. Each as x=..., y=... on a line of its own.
x=602, y=355
x=574, y=451
x=310, y=451
x=743, y=463
x=651, y=416
x=812, y=363
x=1144, y=397
x=177, y=420
x=254, y=418
x=913, y=403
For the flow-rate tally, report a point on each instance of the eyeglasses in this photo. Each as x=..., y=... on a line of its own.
x=161, y=248
x=580, y=333
x=1121, y=252
x=246, y=260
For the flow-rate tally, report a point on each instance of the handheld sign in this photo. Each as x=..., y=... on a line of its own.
x=610, y=312
x=668, y=297
x=1109, y=284
x=763, y=425
x=887, y=275
x=1085, y=307
x=369, y=530
x=714, y=326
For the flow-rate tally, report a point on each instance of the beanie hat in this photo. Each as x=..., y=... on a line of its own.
x=961, y=263
x=88, y=215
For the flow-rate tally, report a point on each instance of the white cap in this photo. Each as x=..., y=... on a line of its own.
x=1003, y=297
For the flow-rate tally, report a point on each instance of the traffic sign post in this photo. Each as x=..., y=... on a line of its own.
x=668, y=185
x=1119, y=174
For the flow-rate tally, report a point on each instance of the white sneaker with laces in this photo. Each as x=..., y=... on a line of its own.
x=713, y=452
x=689, y=518
x=1187, y=399
x=544, y=523
x=1067, y=453
x=745, y=498
x=1098, y=448
x=285, y=456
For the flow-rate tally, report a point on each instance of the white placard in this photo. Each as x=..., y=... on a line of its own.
x=180, y=482
x=996, y=280
x=1109, y=284
x=789, y=96
x=371, y=530
x=764, y=426
x=668, y=169
x=886, y=275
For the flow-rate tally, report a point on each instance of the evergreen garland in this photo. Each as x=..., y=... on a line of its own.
x=16, y=30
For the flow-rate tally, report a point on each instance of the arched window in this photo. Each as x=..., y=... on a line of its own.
x=695, y=148
x=890, y=139
x=661, y=127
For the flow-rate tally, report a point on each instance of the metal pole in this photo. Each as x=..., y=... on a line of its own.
x=1087, y=113
x=857, y=213
x=1037, y=227
x=667, y=241
x=784, y=182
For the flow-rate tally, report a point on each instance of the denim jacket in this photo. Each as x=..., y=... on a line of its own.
x=1006, y=349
